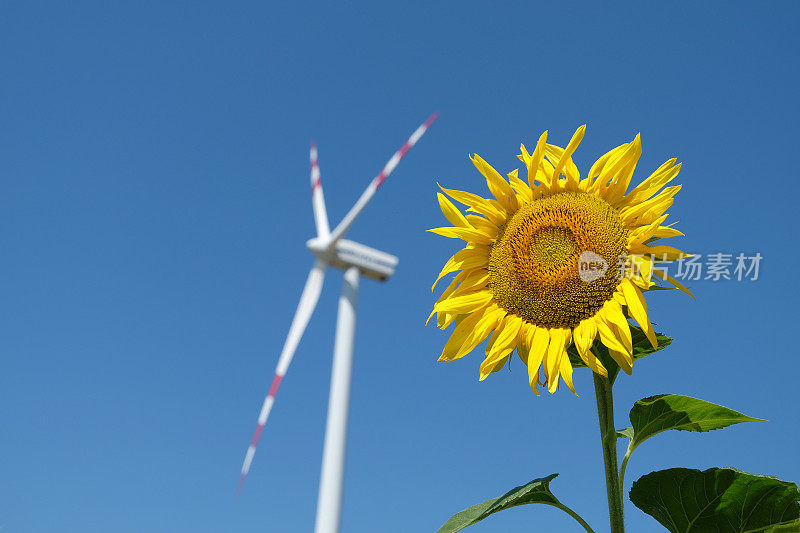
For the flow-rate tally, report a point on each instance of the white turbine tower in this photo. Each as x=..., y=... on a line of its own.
x=355, y=259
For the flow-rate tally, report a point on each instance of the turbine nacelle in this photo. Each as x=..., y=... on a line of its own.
x=344, y=254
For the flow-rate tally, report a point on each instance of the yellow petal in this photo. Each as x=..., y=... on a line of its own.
x=655, y=211
x=559, y=337
x=535, y=162
x=483, y=224
x=583, y=335
x=477, y=203
x=614, y=168
x=624, y=361
x=665, y=232
x=447, y=292
x=623, y=174
x=464, y=304
x=459, y=335
x=616, y=319
x=491, y=210
x=640, y=271
x=554, y=153
x=642, y=233
x=443, y=320
x=520, y=186
x=491, y=318
x=474, y=280
x=545, y=176
x=659, y=253
x=503, y=344
x=524, y=156
x=608, y=335
x=539, y=340
x=611, y=155
x=499, y=186
x=662, y=175
x=572, y=182
x=470, y=257
x=655, y=206
x=451, y=212
x=637, y=308
x=566, y=373
x=468, y=234
x=663, y=275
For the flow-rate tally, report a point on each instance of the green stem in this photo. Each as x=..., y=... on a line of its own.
x=608, y=434
x=622, y=468
x=574, y=515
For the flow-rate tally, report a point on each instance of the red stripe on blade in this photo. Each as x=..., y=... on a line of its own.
x=431, y=119
x=256, y=435
x=276, y=382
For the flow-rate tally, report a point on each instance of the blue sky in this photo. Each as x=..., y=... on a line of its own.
x=154, y=207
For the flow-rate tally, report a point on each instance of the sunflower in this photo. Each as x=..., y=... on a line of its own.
x=556, y=261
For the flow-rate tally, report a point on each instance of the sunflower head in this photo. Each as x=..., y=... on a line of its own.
x=556, y=260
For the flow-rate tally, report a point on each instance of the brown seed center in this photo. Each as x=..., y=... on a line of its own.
x=535, y=264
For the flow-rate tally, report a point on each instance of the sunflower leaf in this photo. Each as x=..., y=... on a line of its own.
x=650, y=416
x=626, y=433
x=537, y=491
x=724, y=500
x=791, y=526
x=642, y=346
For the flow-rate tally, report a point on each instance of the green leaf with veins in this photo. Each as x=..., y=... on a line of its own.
x=722, y=500
x=536, y=491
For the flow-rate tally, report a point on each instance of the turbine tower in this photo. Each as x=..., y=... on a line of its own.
x=330, y=249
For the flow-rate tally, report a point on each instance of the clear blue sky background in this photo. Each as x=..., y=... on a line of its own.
x=154, y=206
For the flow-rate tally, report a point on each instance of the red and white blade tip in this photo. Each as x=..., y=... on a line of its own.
x=395, y=159
x=262, y=420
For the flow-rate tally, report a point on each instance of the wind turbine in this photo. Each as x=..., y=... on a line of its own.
x=330, y=249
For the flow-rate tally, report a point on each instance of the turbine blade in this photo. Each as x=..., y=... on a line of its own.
x=378, y=180
x=317, y=198
x=308, y=301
